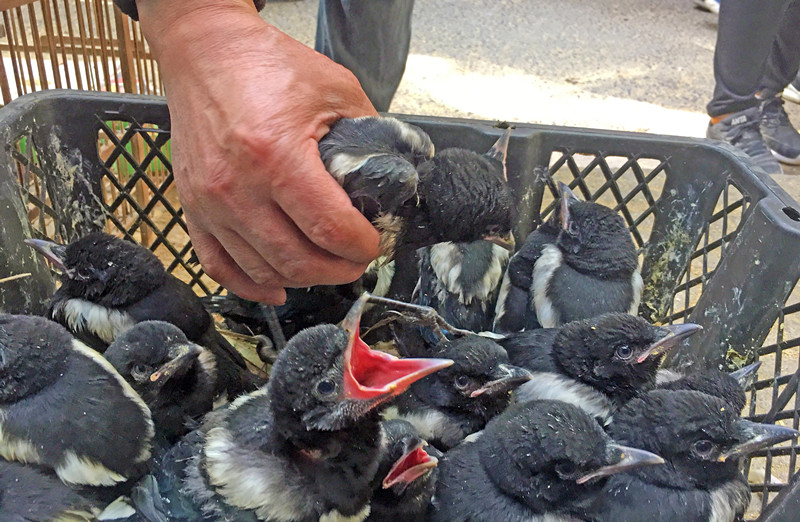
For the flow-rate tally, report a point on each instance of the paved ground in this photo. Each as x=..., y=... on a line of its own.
x=632, y=65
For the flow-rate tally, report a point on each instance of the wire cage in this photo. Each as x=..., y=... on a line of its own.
x=718, y=240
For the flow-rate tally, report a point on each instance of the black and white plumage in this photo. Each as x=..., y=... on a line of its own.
x=64, y=407
x=461, y=282
x=108, y=285
x=702, y=440
x=596, y=364
x=461, y=399
x=406, y=477
x=305, y=447
x=540, y=461
x=28, y=494
x=730, y=387
x=175, y=377
x=591, y=268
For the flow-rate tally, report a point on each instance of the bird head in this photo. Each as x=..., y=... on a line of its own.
x=326, y=377
x=549, y=454
x=699, y=435
x=160, y=363
x=729, y=387
x=478, y=382
x=408, y=462
x=102, y=268
x=617, y=353
x=33, y=353
x=593, y=238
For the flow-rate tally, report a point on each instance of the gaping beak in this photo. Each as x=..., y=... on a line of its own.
x=53, y=252
x=755, y=436
x=567, y=198
x=369, y=374
x=508, y=242
x=746, y=375
x=499, y=150
x=624, y=459
x=412, y=465
x=676, y=333
x=508, y=378
x=182, y=359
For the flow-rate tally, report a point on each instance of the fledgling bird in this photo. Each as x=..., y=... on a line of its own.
x=536, y=461
x=596, y=364
x=461, y=399
x=729, y=387
x=461, y=282
x=65, y=408
x=175, y=377
x=28, y=494
x=590, y=269
x=407, y=475
x=702, y=440
x=108, y=285
x=305, y=447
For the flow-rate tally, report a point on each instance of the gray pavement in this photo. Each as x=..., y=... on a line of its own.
x=631, y=65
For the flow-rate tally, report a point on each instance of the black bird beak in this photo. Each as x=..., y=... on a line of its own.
x=506, y=241
x=755, y=436
x=746, y=375
x=623, y=459
x=411, y=466
x=53, y=252
x=567, y=198
x=370, y=374
x=499, y=150
x=508, y=377
x=675, y=334
x=182, y=359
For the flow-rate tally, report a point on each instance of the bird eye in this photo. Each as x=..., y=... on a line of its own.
x=462, y=381
x=624, y=352
x=572, y=228
x=703, y=448
x=326, y=387
x=565, y=469
x=140, y=372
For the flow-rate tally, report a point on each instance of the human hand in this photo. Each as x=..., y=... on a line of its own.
x=248, y=105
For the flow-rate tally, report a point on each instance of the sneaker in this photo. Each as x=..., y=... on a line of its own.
x=792, y=91
x=741, y=129
x=779, y=134
x=712, y=6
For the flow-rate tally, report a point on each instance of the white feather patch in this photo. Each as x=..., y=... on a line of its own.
x=637, y=284
x=500, y=309
x=16, y=449
x=253, y=480
x=82, y=470
x=335, y=516
x=543, y=270
x=119, y=509
x=127, y=390
x=446, y=261
x=551, y=386
x=728, y=500
x=105, y=323
x=664, y=376
x=385, y=274
x=433, y=425
x=343, y=163
x=411, y=136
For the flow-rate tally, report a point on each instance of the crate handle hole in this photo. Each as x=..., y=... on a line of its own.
x=793, y=213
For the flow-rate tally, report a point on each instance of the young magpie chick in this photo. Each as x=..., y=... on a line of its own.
x=702, y=440
x=596, y=364
x=175, y=377
x=64, y=407
x=729, y=387
x=108, y=285
x=406, y=475
x=461, y=282
x=461, y=399
x=590, y=269
x=28, y=494
x=536, y=461
x=305, y=447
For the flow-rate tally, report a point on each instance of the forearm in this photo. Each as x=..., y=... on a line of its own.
x=130, y=8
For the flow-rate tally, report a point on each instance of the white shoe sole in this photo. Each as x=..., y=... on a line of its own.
x=784, y=159
x=711, y=6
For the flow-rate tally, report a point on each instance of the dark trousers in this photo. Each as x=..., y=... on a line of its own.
x=758, y=50
x=370, y=38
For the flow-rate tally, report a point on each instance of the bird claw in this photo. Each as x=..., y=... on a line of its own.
x=419, y=315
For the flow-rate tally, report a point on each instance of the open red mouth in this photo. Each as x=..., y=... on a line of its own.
x=409, y=467
x=369, y=373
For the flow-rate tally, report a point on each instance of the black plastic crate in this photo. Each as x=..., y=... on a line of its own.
x=719, y=240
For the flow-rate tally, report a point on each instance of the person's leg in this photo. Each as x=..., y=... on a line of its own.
x=369, y=37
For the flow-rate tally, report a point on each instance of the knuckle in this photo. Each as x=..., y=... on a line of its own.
x=327, y=233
